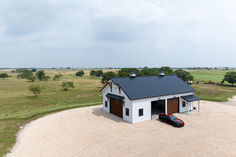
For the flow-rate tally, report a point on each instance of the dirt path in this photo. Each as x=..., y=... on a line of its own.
x=90, y=132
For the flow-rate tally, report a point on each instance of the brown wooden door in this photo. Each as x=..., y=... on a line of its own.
x=116, y=107
x=173, y=105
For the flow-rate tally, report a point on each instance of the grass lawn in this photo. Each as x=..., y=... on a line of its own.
x=19, y=106
x=214, y=93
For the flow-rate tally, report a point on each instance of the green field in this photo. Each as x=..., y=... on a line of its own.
x=206, y=75
x=19, y=106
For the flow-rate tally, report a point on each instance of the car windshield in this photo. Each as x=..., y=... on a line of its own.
x=173, y=117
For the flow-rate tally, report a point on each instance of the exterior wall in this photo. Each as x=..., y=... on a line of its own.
x=146, y=105
x=189, y=106
x=127, y=102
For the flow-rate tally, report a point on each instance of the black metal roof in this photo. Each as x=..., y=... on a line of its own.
x=190, y=98
x=109, y=95
x=152, y=86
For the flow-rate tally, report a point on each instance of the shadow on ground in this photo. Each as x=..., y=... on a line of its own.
x=99, y=112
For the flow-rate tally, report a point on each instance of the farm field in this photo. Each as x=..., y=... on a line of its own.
x=19, y=106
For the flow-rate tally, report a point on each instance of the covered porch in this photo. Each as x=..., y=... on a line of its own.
x=193, y=104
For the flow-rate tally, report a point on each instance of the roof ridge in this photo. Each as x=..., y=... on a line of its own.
x=144, y=76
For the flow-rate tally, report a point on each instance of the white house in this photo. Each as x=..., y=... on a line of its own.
x=136, y=99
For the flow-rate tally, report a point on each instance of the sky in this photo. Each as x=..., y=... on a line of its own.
x=117, y=33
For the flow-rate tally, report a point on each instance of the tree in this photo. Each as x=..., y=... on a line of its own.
x=34, y=70
x=126, y=72
x=80, y=73
x=92, y=73
x=150, y=71
x=36, y=89
x=3, y=75
x=31, y=77
x=24, y=73
x=167, y=70
x=57, y=77
x=66, y=85
x=40, y=75
x=184, y=75
x=46, y=78
x=99, y=73
x=20, y=70
x=107, y=76
x=230, y=77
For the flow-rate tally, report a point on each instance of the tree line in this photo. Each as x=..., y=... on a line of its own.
x=125, y=72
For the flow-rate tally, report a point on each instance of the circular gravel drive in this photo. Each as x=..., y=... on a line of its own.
x=90, y=132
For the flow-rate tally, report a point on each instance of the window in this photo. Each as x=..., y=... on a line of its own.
x=105, y=103
x=126, y=111
x=140, y=112
x=183, y=104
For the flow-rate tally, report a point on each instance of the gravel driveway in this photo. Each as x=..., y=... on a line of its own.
x=90, y=132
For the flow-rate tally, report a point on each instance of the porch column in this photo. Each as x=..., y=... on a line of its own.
x=198, y=105
x=189, y=103
x=165, y=106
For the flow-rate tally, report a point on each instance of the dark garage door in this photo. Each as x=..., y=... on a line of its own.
x=173, y=105
x=116, y=107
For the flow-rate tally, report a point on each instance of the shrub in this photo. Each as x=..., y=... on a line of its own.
x=167, y=70
x=3, y=75
x=230, y=77
x=80, y=73
x=66, y=85
x=99, y=73
x=20, y=70
x=57, y=77
x=126, y=72
x=31, y=77
x=42, y=76
x=149, y=71
x=46, y=78
x=36, y=89
x=34, y=70
x=92, y=73
x=25, y=73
